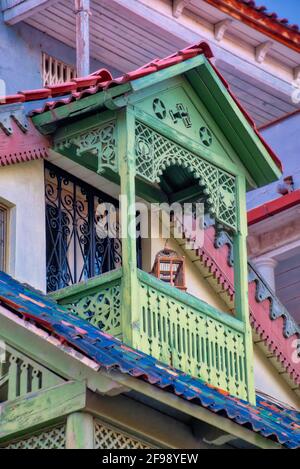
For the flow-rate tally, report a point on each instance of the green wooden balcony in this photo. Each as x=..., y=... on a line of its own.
x=172, y=326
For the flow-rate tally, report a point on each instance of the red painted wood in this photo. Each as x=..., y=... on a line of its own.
x=272, y=208
x=20, y=147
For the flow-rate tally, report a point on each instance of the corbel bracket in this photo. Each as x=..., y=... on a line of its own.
x=262, y=50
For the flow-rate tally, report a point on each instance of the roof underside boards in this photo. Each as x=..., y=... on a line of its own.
x=269, y=419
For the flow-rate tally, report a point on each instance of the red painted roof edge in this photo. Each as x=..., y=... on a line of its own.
x=273, y=207
x=279, y=120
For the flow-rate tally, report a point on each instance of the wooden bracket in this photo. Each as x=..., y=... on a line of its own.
x=297, y=73
x=262, y=50
x=178, y=7
x=221, y=28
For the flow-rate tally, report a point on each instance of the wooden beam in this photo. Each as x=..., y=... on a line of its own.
x=82, y=12
x=40, y=408
x=20, y=11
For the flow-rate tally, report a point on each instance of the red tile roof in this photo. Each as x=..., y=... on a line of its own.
x=273, y=207
x=259, y=18
x=101, y=80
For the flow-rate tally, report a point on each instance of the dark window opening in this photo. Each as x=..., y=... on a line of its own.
x=74, y=251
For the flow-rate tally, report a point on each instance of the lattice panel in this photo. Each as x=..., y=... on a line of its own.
x=49, y=439
x=102, y=309
x=55, y=71
x=107, y=438
x=154, y=153
x=193, y=342
x=100, y=141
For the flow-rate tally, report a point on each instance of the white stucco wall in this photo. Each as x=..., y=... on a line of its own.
x=269, y=381
x=22, y=190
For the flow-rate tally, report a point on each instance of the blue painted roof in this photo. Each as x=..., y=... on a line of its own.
x=268, y=417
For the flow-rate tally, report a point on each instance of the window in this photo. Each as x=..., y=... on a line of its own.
x=3, y=236
x=55, y=71
x=74, y=250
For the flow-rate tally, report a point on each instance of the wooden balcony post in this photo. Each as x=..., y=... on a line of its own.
x=80, y=431
x=129, y=297
x=82, y=12
x=241, y=282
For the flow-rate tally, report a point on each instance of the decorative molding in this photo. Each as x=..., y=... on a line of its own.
x=223, y=238
x=15, y=112
x=155, y=153
x=99, y=141
x=221, y=28
x=262, y=50
x=297, y=73
x=179, y=6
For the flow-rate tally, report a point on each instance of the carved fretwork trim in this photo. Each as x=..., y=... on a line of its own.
x=154, y=153
x=277, y=310
x=100, y=141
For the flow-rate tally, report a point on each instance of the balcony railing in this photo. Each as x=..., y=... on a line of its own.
x=97, y=300
x=174, y=327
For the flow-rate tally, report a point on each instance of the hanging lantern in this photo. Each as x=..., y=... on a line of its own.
x=170, y=268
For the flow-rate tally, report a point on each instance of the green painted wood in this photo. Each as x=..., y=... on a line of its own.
x=190, y=301
x=126, y=156
x=24, y=375
x=184, y=116
x=241, y=284
x=155, y=152
x=181, y=333
x=29, y=413
x=97, y=300
x=49, y=121
x=75, y=292
x=235, y=126
x=170, y=133
x=80, y=431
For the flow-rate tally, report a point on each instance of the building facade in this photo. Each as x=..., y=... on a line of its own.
x=170, y=132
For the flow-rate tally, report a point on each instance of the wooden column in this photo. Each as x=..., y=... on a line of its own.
x=241, y=282
x=80, y=431
x=82, y=11
x=126, y=156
